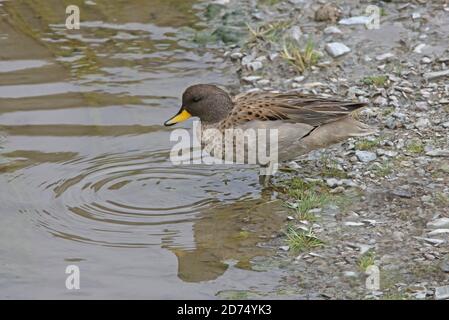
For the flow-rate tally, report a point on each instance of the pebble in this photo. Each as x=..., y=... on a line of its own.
x=355, y=20
x=385, y=56
x=236, y=55
x=436, y=74
x=299, y=79
x=264, y=82
x=251, y=64
x=438, y=231
x=431, y=240
x=272, y=56
x=332, y=30
x=332, y=182
x=438, y=153
x=419, y=47
x=402, y=193
x=442, y=293
x=354, y=224
x=388, y=153
x=381, y=101
x=365, y=156
x=284, y=248
x=350, y=274
x=251, y=79
x=426, y=60
x=440, y=223
x=336, y=49
x=391, y=123
x=422, y=123
x=416, y=15
x=421, y=105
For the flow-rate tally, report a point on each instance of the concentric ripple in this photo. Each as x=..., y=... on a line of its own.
x=132, y=200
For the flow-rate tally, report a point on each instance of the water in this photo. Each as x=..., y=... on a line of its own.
x=85, y=176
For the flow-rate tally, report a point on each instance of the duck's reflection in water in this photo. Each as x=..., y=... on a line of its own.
x=228, y=234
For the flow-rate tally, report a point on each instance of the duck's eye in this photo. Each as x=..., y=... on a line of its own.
x=196, y=99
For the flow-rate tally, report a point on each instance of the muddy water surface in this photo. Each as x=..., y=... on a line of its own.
x=85, y=176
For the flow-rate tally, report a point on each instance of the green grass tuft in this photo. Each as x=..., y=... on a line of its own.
x=365, y=144
x=300, y=241
x=415, y=146
x=378, y=81
x=366, y=260
x=301, y=60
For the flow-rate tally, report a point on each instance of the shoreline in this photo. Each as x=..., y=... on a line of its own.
x=380, y=200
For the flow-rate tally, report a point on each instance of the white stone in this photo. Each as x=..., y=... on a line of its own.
x=355, y=20
x=419, y=47
x=438, y=231
x=332, y=30
x=416, y=15
x=442, y=293
x=385, y=56
x=251, y=78
x=354, y=224
x=422, y=123
x=440, y=223
x=336, y=49
x=365, y=156
x=436, y=74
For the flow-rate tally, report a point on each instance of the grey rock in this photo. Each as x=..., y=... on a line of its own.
x=332, y=30
x=419, y=47
x=440, y=223
x=421, y=106
x=436, y=74
x=348, y=183
x=350, y=274
x=284, y=248
x=391, y=123
x=353, y=224
x=355, y=20
x=388, y=153
x=438, y=153
x=272, y=56
x=332, y=182
x=236, y=55
x=251, y=79
x=385, y=56
x=431, y=240
x=426, y=60
x=438, y=232
x=422, y=123
x=400, y=192
x=416, y=15
x=381, y=101
x=365, y=156
x=336, y=49
x=442, y=293
x=263, y=82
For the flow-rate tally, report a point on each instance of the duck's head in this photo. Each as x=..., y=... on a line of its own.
x=207, y=102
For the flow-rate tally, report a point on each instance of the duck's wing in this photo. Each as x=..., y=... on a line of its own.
x=290, y=107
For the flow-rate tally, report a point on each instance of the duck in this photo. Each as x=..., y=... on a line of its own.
x=303, y=122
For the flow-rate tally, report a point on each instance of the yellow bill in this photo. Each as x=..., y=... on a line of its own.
x=182, y=115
